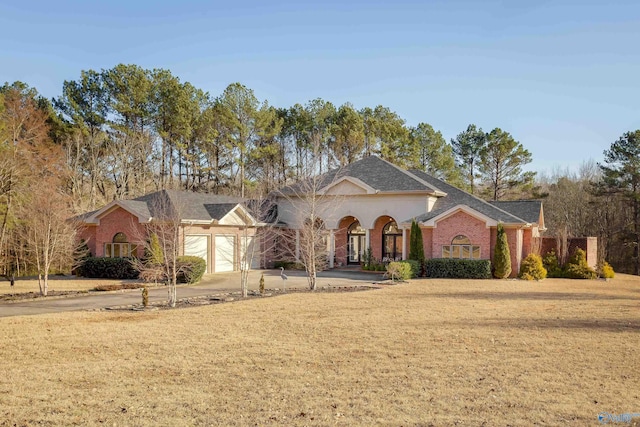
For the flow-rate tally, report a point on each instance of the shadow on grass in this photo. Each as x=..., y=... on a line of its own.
x=534, y=296
x=607, y=325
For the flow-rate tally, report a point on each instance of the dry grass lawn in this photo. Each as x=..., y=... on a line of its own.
x=429, y=352
x=56, y=283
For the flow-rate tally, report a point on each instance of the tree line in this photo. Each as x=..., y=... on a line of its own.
x=126, y=131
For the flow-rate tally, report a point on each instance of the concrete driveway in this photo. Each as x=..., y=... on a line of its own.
x=211, y=284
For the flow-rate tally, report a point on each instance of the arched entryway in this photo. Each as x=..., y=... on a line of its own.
x=356, y=243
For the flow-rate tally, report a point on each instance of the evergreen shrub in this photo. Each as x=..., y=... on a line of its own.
x=577, y=267
x=454, y=268
x=108, y=268
x=398, y=270
x=501, y=255
x=605, y=270
x=416, y=267
x=532, y=268
x=193, y=268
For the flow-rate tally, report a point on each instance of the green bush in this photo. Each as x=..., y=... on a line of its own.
x=108, y=268
x=416, y=267
x=398, y=270
x=577, y=267
x=192, y=269
x=288, y=265
x=453, y=268
x=501, y=255
x=374, y=265
x=605, y=270
x=551, y=264
x=532, y=268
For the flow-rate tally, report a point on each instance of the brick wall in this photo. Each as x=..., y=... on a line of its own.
x=116, y=221
x=587, y=244
x=88, y=234
x=465, y=224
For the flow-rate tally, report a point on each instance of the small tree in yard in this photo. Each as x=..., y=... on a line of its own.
x=309, y=204
x=416, y=247
x=166, y=225
x=48, y=233
x=252, y=247
x=501, y=255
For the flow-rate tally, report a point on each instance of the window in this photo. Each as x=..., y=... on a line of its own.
x=120, y=247
x=461, y=247
x=392, y=242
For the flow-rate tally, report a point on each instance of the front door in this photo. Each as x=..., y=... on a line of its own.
x=356, y=246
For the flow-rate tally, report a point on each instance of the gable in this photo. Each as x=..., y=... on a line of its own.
x=348, y=186
x=456, y=211
x=238, y=217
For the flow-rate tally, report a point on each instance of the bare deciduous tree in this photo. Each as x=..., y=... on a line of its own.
x=309, y=207
x=48, y=232
x=166, y=226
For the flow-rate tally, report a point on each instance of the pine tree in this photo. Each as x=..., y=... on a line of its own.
x=416, y=248
x=501, y=255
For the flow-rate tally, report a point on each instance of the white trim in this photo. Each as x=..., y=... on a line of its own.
x=355, y=181
x=247, y=216
x=95, y=218
x=490, y=222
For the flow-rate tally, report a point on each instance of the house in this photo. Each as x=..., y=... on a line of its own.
x=215, y=228
x=371, y=204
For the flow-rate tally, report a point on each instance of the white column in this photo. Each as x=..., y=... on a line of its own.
x=297, y=245
x=332, y=247
x=367, y=239
x=404, y=243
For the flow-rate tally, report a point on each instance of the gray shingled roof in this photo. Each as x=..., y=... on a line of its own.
x=528, y=210
x=218, y=211
x=190, y=206
x=376, y=173
x=455, y=197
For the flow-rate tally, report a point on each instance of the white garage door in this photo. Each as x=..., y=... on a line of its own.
x=197, y=246
x=225, y=253
x=251, y=252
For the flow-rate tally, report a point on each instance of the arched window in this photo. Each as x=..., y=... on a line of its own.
x=461, y=247
x=392, y=242
x=120, y=238
x=120, y=247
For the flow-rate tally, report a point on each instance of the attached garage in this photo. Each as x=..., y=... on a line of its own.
x=197, y=245
x=225, y=253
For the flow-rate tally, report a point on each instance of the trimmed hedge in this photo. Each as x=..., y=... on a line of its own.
x=108, y=268
x=452, y=268
x=193, y=268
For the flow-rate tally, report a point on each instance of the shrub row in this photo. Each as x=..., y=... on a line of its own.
x=108, y=268
x=576, y=267
x=452, y=268
x=192, y=268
